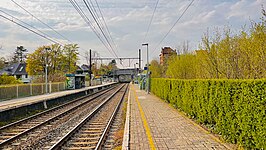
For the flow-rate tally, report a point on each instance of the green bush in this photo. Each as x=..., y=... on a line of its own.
x=5, y=79
x=235, y=109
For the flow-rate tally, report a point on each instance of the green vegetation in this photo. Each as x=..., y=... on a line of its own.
x=5, y=79
x=235, y=109
x=156, y=69
x=104, y=69
x=224, y=55
x=206, y=84
x=60, y=60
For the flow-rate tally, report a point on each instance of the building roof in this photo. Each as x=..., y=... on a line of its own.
x=14, y=69
x=167, y=50
x=85, y=67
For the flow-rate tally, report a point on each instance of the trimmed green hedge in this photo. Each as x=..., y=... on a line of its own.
x=233, y=108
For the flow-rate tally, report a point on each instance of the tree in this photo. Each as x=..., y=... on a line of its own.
x=182, y=67
x=156, y=69
x=36, y=62
x=70, y=53
x=112, y=65
x=60, y=60
x=19, y=55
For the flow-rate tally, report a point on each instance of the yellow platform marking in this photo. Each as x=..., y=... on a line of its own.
x=145, y=123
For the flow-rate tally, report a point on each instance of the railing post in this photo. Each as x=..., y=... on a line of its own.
x=42, y=87
x=44, y=104
x=50, y=87
x=30, y=89
x=17, y=91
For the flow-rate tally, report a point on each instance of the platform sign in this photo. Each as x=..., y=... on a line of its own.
x=70, y=81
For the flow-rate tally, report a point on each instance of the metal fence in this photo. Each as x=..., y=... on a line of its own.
x=93, y=83
x=24, y=90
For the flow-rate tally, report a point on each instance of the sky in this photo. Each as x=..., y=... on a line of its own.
x=127, y=21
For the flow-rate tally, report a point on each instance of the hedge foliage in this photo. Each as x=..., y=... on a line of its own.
x=234, y=109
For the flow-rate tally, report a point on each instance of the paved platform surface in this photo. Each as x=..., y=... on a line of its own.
x=156, y=125
x=13, y=103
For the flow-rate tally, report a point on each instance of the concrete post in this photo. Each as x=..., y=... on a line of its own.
x=17, y=91
x=42, y=88
x=50, y=87
x=44, y=105
x=30, y=89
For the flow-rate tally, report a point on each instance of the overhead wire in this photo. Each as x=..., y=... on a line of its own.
x=105, y=37
x=148, y=29
x=88, y=22
x=174, y=25
x=62, y=36
x=108, y=31
x=13, y=17
x=23, y=26
x=102, y=24
x=45, y=24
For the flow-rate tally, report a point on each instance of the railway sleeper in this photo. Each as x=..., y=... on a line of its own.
x=79, y=143
x=78, y=148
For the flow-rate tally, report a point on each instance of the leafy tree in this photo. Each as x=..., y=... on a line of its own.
x=156, y=69
x=225, y=55
x=70, y=57
x=104, y=69
x=60, y=60
x=182, y=67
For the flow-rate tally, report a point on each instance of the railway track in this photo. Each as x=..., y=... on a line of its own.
x=94, y=129
x=31, y=131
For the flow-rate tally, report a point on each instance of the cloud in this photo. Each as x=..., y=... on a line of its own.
x=127, y=21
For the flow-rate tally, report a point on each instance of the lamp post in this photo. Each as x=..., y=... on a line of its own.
x=147, y=75
x=46, y=69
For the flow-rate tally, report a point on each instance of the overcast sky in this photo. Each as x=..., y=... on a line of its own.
x=127, y=21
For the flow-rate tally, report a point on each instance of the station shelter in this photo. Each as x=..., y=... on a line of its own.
x=75, y=81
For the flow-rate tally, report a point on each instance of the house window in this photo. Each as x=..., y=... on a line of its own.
x=26, y=76
x=21, y=68
x=18, y=76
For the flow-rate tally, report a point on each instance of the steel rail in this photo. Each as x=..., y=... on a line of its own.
x=50, y=119
x=108, y=126
x=64, y=139
x=49, y=110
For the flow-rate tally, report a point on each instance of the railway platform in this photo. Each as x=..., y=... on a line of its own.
x=154, y=124
x=19, y=102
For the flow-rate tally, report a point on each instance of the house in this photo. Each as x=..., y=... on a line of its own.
x=165, y=54
x=18, y=70
x=85, y=68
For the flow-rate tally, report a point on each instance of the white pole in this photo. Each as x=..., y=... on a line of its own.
x=148, y=82
x=30, y=89
x=46, y=78
x=17, y=91
x=50, y=87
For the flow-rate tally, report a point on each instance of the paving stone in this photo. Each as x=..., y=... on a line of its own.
x=169, y=129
